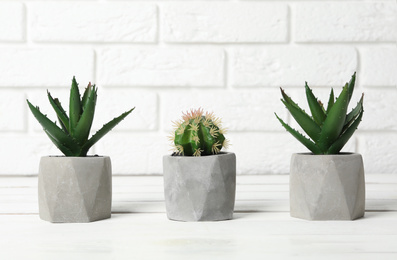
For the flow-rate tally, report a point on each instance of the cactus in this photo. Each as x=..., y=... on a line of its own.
x=198, y=134
x=328, y=129
x=72, y=137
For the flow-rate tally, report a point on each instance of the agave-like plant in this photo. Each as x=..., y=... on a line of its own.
x=72, y=137
x=329, y=129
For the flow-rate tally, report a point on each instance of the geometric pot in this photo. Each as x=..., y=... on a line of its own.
x=75, y=189
x=327, y=187
x=200, y=188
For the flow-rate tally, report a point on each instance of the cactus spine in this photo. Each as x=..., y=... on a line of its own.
x=198, y=134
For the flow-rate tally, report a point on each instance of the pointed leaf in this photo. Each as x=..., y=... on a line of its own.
x=335, y=120
x=66, y=151
x=86, y=94
x=61, y=113
x=83, y=127
x=351, y=85
x=354, y=113
x=303, y=119
x=58, y=137
x=306, y=142
x=75, y=108
x=345, y=136
x=331, y=101
x=315, y=107
x=103, y=131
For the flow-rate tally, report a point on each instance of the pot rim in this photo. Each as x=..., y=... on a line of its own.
x=199, y=157
x=75, y=157
x=344, y=154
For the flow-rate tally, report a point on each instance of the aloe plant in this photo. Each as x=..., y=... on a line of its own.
x=329, y=129
x=198, y=134
x=71, y=138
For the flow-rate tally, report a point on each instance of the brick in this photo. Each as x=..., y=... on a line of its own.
x=12, y=17
x=12, y=111
x=379, y=153
x=379, y=66
x=165, y=67
x=263, y=153
x=292, y=66
x=224, y=22
x=27, y=151
x=48, y=67
x=345, y=22
x=113, y=102
x=135, y=153
x=91, y=22
x=239, y=110
x=380, y=113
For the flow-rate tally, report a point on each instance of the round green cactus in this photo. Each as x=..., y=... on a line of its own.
x=198, y=134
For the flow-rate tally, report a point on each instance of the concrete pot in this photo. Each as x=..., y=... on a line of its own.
x=75, y=189
x=327, y=187
x=200, y=188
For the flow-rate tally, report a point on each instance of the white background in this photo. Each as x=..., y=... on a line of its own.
x=165, y=57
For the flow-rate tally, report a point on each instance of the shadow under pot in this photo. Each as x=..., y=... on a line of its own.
x=327, y=187
x=75, y=189
x=200, y=188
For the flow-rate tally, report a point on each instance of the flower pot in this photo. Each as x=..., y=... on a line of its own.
x=75, y=189
x=327, y=187
x=200, y=188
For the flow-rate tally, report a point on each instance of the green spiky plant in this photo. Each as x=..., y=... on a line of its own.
x=72, y=137
x=198, y=134
x=329, y=129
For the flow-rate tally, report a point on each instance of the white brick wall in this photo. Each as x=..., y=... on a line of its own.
x=165, y=57
x=225, y=22
x=92, y=22
x=345, y=21
x=161, y=67
x=12, y=22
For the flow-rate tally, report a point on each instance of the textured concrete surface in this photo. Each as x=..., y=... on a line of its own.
x=200, y=188
x=75, y=189
x=327, y=187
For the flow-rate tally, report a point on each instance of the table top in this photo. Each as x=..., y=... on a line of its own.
x=139, y=228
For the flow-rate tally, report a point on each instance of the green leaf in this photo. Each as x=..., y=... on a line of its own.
x=351, y=85
x=75, y=108
x=306, y=142
x=61, y=113
x=354, y=113
x=331, y=101
x=65, y=150
x=103, y=131
x=345, y=136
x=304, y=120
x=335, y=120
x=57, y=136
x=63, y=126
x=87, y=93
x=315, y=107
x=83, y=127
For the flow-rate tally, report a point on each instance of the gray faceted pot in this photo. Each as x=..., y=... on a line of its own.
x=75, y=189
x=200, y=188
x=327, y=187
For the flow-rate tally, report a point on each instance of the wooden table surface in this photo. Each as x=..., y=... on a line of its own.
x=139, y=228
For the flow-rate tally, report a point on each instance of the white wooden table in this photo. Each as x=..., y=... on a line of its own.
x=139, y=228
